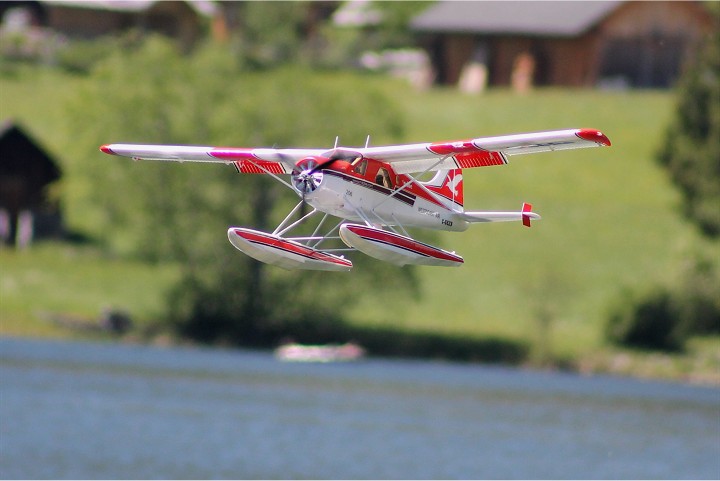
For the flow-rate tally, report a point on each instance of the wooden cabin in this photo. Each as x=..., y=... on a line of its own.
x=27, y=211
x=574, y=43
x=184, y=21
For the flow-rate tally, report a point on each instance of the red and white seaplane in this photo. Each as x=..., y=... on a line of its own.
x=377, y=192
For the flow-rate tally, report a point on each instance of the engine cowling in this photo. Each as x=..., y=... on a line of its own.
x=307, y=176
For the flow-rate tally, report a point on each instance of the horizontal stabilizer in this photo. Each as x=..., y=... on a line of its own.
x=525, y=215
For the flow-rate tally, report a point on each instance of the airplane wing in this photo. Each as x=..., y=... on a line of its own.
x=405, y=159
x=483, y=151
x=247, y=161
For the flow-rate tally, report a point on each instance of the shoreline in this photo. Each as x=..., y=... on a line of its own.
x=638, y=365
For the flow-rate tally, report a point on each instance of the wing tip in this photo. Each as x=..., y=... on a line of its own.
x=593, y=135
x=106, y=149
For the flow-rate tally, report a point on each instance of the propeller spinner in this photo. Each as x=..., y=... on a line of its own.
x=307, y=174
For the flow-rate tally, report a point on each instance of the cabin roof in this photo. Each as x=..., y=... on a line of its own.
x=20, y=154
x=202, y=7
x=551, y=18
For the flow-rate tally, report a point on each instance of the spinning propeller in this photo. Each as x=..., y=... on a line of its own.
x=306, y=175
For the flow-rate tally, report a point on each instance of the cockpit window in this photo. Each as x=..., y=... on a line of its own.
x=360, y=165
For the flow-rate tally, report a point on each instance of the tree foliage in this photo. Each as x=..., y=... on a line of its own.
x=394, y=31
x=647, y=320
x=691, y=152
x=269, y=33
x=172, y=212
x=667, y=316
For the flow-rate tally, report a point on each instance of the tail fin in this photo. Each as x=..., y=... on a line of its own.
x=449, y=185
x=526, y=214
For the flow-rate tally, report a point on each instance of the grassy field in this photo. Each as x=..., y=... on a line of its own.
x=610, y=221
x=610, y=217
x=52, y=280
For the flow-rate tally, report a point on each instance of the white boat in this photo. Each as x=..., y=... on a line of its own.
x=319, y=353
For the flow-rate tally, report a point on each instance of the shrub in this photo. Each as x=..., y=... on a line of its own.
x=698, y=298
x=647, y=320
x=81, y=56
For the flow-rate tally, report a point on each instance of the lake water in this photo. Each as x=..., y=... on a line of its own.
x=83, y=410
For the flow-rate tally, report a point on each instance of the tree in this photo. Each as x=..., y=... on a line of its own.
x=664, y=317
x=159, y=211
x=691, y=155
x=395, y=17
x=691, y=152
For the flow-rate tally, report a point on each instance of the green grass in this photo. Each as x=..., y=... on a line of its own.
x=610, y=221
x=610, y=218
x=53, y=279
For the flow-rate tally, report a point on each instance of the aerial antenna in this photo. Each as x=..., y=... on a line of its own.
x=367, y=141
x=337, y=138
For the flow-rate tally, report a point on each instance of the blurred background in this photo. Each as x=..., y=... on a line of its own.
x=622, y=275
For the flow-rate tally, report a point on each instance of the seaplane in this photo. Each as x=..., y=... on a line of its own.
x=377, y=192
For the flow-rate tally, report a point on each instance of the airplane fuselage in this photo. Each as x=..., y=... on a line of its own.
x=373, y=192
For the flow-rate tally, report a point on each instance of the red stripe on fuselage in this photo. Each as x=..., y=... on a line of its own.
x=404, y=196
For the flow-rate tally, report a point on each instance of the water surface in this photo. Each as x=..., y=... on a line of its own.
x=82, y=410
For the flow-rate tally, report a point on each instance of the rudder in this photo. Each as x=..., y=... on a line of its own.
x=449, y=185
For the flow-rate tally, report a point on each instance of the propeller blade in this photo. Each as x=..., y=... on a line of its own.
x=321, y=165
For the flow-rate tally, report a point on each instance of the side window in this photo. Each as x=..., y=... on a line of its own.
x=383, y=178
x=360, y=165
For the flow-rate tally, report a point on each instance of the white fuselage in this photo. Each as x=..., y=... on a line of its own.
x=358, y=199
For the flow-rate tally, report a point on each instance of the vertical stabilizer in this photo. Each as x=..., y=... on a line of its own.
x=448, y=184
